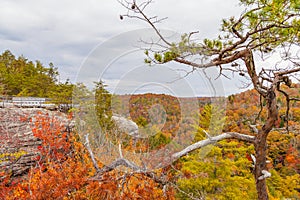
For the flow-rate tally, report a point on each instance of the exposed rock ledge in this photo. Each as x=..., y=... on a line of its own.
x=18, y=146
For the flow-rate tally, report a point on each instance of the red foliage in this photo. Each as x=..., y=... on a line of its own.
x=64, y=171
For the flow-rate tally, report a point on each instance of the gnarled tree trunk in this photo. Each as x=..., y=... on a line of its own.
x=260, y=151
x=261, y=143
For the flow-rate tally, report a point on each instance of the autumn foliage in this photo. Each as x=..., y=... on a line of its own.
x=64, y=171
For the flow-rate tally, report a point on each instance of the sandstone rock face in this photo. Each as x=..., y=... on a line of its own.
x=18, y=145
x=126, y=125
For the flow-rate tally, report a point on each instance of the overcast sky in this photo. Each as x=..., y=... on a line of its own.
x=69, y=33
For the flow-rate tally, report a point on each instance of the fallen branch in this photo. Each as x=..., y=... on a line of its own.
x=120, y=162
x=140, y=170
x=88, y=147
x=212, y=140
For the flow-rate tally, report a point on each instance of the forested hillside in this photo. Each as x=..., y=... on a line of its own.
x=226, y=171
x=62, y=165
x=21, y=77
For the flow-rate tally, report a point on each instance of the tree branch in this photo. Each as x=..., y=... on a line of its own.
x=212, y=140
x=88, y=147
x=139, y=9
x=139, y=170
x=285, y=72
x=119, y=162
x=215, y=62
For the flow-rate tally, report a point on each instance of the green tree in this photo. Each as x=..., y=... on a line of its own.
x=103, y=100
x=20, y=77
x=61, y=95
x=264, y=27
x=212, y=119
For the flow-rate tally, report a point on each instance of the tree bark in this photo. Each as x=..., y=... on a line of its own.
x=261, y=143
x=261, y=152
x=261, y=138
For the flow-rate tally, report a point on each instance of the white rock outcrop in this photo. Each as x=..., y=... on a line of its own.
x=126, y=125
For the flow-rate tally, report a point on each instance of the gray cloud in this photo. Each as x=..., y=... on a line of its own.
x=68, y=32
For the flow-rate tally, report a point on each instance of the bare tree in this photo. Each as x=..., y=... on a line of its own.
x=263, y=28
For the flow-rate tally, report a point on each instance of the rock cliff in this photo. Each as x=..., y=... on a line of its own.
x=18, y=145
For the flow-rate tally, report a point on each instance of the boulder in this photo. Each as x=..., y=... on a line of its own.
x=126, y=125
